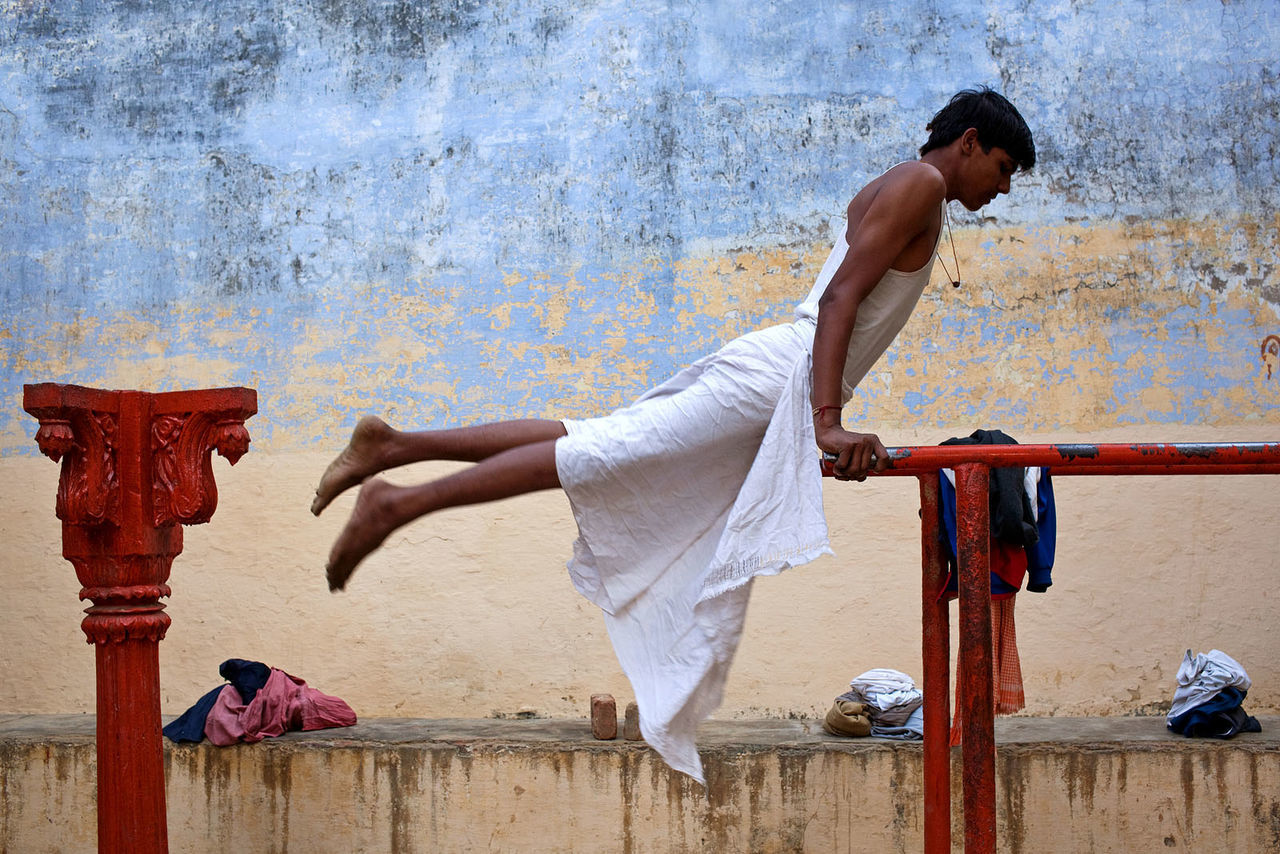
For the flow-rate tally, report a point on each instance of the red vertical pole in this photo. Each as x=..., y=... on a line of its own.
x=131, y=796
x=936, y=653
x=135, y=468
x=973, y=547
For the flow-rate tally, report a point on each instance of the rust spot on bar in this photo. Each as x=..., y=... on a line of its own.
x=1071, y=452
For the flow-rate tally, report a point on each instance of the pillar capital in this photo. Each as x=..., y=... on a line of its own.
x=163, y=442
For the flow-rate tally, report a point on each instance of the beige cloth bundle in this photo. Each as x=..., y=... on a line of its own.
x=847, y=718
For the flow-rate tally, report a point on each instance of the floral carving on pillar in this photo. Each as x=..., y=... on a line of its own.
x=182, y=465
x=88, y=489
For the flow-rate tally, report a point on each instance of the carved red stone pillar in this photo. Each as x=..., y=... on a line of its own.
x=136, y=467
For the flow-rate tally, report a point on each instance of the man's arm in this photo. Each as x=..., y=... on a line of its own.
x=902, y=209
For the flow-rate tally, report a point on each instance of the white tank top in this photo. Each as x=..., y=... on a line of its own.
x=881, y=315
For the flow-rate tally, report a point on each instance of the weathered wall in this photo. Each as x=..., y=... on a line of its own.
x=459, y=211
x=1063, y=787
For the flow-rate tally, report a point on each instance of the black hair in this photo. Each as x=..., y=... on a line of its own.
x=997, y=121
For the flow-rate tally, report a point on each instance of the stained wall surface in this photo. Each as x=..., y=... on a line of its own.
x=454, y=212
x=1064, y=786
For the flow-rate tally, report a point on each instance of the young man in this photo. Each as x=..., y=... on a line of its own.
x=712, y=478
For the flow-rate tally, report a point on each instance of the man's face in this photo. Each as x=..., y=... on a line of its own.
x=987, y=176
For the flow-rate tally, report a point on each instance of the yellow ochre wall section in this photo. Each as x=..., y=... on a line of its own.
x=470, y=612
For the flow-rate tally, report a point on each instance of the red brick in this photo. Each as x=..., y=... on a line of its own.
x=604, y=717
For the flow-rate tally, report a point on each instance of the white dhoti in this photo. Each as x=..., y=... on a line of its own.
x=681, y=499
x=705, y=482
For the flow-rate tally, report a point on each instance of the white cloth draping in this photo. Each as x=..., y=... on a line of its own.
x=702, y=484
x=1202, y=677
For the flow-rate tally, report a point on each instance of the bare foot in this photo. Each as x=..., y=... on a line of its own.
x=361, y=458
x=368, y=527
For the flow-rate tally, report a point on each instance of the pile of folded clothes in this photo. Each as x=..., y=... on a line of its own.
x=882, y=703
x=1208, y=702
x=259, y=702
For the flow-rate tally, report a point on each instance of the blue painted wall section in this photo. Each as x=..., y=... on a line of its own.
x=458, y=210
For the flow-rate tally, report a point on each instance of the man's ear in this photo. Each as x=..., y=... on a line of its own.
x=969, y=141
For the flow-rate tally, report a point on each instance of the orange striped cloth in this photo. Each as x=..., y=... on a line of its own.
x=1006, y=670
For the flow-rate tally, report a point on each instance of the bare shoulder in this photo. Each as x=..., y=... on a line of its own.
x=915, y=180
x=907, y=195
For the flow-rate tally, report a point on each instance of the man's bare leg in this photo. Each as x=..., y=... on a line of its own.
x=376, y=447
x=382, y=507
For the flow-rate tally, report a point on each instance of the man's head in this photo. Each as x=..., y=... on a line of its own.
x=997, y=122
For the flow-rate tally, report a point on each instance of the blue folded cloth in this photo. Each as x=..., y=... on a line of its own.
x=189, y=726
x=1222, y=716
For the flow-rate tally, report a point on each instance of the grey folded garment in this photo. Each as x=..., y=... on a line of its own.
x=847, y=718
x=890, y=709
x=912, y=730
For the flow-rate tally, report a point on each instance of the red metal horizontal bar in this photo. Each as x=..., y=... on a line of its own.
x=1113, y=459
x=1223, y=468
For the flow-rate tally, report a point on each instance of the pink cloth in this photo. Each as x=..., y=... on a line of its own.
x=284, y=703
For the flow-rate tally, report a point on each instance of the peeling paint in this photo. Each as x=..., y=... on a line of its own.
x=428, y=360
x=446, y=212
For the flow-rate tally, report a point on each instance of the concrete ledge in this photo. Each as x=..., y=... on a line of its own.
x=400, y=785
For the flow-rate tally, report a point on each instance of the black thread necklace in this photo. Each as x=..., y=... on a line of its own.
x=955, y=280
